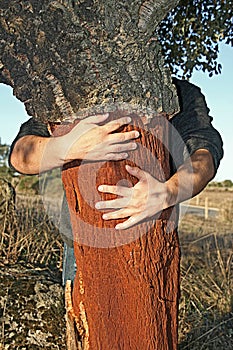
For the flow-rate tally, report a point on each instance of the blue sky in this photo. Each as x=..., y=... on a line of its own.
x=218, y=91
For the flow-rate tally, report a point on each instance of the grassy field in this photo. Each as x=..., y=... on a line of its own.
x=221, y=199
x=206, y=305
x=217, y=196
x=30, y=240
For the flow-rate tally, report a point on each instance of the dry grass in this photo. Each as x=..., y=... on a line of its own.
x=30, y=258
x=28, y=235
x=206, y=305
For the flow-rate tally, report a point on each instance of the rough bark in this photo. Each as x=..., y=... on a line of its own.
x=69, y=59
x=64, y=56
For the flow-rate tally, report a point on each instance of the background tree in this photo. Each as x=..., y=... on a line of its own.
x=227, y=183
x=4, y=150
x=191, y=33
x=5, y=171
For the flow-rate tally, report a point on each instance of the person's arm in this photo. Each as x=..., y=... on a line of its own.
x=192, y=127
x=196, y=148
x=191, y=177
x=150, y=196
x=23, y=144
x=32, y=154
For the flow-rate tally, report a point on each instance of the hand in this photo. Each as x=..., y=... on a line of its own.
x=148, y=197
x=89, y=141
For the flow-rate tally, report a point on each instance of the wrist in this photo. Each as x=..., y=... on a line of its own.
x=62, y=150
x=58, y=151
x=171, y=193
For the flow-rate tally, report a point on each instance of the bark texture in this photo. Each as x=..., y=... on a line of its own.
x=64, y=56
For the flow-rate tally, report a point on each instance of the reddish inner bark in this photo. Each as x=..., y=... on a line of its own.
x=127, y=284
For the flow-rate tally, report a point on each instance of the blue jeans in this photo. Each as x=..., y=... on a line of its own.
x=69, y=265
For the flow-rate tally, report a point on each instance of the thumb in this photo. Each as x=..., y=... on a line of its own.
x=137, y=172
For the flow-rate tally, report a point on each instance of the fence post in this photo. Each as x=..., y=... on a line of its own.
x=206, y=208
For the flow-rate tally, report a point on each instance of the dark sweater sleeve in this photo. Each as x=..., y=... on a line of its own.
x=31, y=127
x=193, y=127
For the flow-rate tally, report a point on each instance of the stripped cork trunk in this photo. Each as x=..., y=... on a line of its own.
x=126, y=289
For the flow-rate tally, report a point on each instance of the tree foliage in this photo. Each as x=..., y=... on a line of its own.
x=191, y=33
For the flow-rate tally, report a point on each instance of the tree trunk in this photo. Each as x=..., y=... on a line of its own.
x=126, y=295
x=63, y=56
x=67, y=60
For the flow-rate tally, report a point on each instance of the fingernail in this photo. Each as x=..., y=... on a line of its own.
x=104, y=216
x=137, y=134
x=100, y=188
x=128, y=119
x=97, y=205
x=117, y=227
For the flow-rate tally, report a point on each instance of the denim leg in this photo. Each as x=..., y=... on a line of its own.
x=69, y=264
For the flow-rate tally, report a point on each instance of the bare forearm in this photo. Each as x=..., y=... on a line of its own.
x=191, y=178
x=35, y=154
x=86, y=141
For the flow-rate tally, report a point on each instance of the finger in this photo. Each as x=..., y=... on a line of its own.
x=130, y=146
x=133, y=220
x=118, y=214
x=137, y=172
x=113, y=204
x=118, y=190
x=116, y=156
x=98, y=118
x=123, y=136
x=116, y=124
